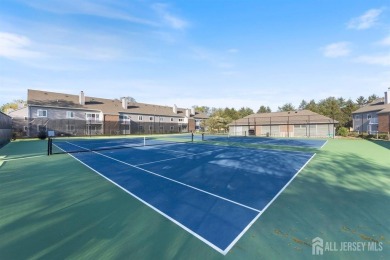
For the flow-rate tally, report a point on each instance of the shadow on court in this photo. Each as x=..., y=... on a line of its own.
x=54, y=207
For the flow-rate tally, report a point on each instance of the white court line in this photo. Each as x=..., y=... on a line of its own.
x=22, y=158
x=264, y=209
x=167, y=178
x=324, y=144
x=224, y=252
x=193, y=154
x=154, y=147
x=204, y=240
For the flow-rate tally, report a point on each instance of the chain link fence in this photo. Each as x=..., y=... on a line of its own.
x=284, y=126
x=5, y=129
x=74, y=127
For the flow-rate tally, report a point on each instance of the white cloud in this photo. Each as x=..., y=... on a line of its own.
x=383, y=59
x=233, y=50
x=173, y=21
x=16, y=46
x=88, y=7
x=385, y=41
x=338, y=49
x=365, y=21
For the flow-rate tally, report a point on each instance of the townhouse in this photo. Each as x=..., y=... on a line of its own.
x=77, y=115
x=374, y=117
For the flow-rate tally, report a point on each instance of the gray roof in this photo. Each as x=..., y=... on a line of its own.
x=280, y=118
x=376, y=105
x=107, y=106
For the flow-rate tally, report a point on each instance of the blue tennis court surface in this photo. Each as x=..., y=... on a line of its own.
x=308, y=143
x=213, y=192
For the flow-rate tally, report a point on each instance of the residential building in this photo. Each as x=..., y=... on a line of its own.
x=302, y=123
x=374, y=117
x=19, y=121
x=78, y=115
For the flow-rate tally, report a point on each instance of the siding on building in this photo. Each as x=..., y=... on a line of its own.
x=114, y=116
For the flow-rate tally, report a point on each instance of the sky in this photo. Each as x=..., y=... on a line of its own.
x=216, y=53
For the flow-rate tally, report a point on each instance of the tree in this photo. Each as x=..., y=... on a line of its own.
x=372, y=98
x=361, y=101
x=202, y=109
x=312, y=106
x=286, y=107
x=245, y=111
x=347, y=110
x=13, y=105
x=264, y=109
x=303, y=105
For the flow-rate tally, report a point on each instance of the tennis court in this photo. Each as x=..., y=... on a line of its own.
x=191, y=200
x=213, y=192
x=293, y=142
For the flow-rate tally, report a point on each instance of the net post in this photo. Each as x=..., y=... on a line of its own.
x=202, y=136
x=48, y=146
x=144, y=140
x=192, y=137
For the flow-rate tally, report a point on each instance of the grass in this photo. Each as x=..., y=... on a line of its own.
x=54, y=207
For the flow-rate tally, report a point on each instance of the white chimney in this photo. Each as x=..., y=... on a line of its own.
x=82, y=98
x=387, y=96
x=175, y=109
x=193, y=111
x=187, y=113
x=124, y=103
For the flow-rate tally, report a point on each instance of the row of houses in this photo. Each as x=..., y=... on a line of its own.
x=77, y=115
x=372, y=118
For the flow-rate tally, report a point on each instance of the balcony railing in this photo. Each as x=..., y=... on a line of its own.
x=94, y=121
x=373, y=121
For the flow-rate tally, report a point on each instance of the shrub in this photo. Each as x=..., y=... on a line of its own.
x=353, y=134
x=42, y=135
x=342, y=131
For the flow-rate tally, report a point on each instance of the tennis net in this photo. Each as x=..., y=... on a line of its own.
x=60, y=145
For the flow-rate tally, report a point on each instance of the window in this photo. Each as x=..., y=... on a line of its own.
x=172, y=128
x=181, y=119
x=25, y=128
x=140, y=118
x=69, y=114
x=124, y=118
x=25, y=118
x=171, y=119
x=92, y=116
x=42, y=113
x=151, y=118
x=150, y=128
x=357, y=116
x=368, y=116
x=161, y=119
